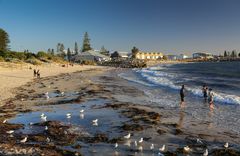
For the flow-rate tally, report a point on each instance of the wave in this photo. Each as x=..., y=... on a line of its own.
x=157, y=78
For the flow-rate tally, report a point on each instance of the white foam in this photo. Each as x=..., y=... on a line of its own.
x=124, y=76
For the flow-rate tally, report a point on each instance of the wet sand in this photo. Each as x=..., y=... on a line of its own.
x=120, y=109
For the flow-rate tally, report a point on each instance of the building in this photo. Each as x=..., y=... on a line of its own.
x=90, y=55
x=202, y=56
x=149, y=55
x=182, y=57
x=172, y=57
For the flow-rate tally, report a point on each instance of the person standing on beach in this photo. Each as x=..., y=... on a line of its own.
x=182, y=94
x=205, y=90
x=210, y=95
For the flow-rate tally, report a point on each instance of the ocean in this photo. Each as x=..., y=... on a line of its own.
x=162, y=84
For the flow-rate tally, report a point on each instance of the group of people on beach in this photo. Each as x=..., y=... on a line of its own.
x=36, y=73
x=207, y=94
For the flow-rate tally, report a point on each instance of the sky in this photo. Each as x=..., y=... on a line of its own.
x=169, y=26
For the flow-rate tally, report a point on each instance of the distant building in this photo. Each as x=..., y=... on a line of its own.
x=149, y=55
x=90, y=55
x=202, y=56
x=182, y=57
x=172, y=57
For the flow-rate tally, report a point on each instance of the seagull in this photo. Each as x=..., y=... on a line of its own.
x=62, y=93
x=44, y=118
x=135, y=143
x=46, y=128
x=82, y=116
x=4, y=121
x=186, y=149
x=199, y=141
x=10, y=132
x=81, y=111
x=205, y=153
x=162, y=149
x=68, y=115
x=30, y=123
x=152, y=146
x=48, y=140
x=127, y=136
x=95, y=121
x=42, y=115
x=140, y=148
x=24, y=140
x=141, y=140
x=226, y=145
x=160, y=154
x=116, y=145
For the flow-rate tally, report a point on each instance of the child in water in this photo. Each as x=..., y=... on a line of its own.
x=210, y=95
x=205, y=90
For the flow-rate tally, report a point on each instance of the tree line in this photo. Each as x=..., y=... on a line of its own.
x=232, y=54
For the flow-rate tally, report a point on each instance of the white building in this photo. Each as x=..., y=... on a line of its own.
x=202, y=56
x=182, y=56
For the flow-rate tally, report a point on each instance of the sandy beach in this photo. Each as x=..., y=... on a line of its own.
x=12, y=75
x=120, y=109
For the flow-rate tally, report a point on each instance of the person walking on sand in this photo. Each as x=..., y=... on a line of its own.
x=204, y=91
x=34, y=73
x=38, y=74
x=182, y=90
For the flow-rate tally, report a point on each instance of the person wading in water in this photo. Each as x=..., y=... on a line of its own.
x=182, y=95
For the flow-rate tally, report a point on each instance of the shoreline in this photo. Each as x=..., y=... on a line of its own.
x=103, y=95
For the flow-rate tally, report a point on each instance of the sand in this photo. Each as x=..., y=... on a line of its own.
x=13, y=75
x=121, y=109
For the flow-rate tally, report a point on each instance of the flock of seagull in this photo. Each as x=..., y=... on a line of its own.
x=137, y=143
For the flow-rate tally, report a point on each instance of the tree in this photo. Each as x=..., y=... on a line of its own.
x=134, y=52
x=234, y=53
x=49, y=51
x=225, y=53
x=165, y=57
x=4, y=40
x=104, y=51
x=52, y=52
x=76, y=48
x=86, y=43
x=68, y=54
x=115, y=55
x=58, y=47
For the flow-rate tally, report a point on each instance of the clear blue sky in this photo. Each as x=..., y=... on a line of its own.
x=171, y=26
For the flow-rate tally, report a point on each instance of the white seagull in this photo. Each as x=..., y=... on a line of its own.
x=68, y=115
x=46, y=128
x=95, y=121
x=152, y=146
x=205, y=153
x=24, y=140
x=127, y=136
x=186, y=149
x=48, y=140
x=4, y=121
x=116, y=145
x=62, y=93
x=42, y=115
x=10, y=132
x=226, y=145
x=199, y=141
x=135, y=143
x=141, y=140
x=82, y=110
x=44, y=118
x=162, y=149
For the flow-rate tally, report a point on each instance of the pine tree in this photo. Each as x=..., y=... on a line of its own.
x=104, y=51
x=58, y=47
x=49, y=51
x=225, y=53
x=62, y=53
x=233, y=53
x=68, y=54
x=76, y=48
x=86, y=43
x=4, y=40
x=134, y=52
